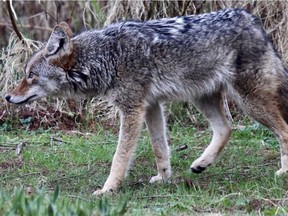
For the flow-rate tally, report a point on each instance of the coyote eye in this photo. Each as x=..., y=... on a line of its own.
x=31, y=74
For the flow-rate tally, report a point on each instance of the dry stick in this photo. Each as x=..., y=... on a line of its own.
x=226, y=108
x=185, y=7
x=20, y=147
x=59, y=140
x=2, y=114
x=165, y=196
x=181, y=147
x=13, y=21
x=151, y=9
x=48, y=14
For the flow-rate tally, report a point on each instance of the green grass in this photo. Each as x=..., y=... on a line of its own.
x=242, y=181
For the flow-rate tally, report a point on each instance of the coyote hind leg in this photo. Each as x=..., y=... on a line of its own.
x=212, y=108
x=268, y=108
x=155, y=122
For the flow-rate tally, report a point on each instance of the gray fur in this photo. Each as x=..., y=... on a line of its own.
x=139, y=65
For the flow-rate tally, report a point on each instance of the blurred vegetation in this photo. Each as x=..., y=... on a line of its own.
x=34, y=21
x=38, y=203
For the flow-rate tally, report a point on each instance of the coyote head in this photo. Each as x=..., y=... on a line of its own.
x=46, y=71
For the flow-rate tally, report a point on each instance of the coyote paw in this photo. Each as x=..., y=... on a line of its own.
x=281, y=172
x=200, y=165
x=104, y=190
x=157, y=179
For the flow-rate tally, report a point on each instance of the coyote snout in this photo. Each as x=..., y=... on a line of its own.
x=25, y=93
x=140, y=65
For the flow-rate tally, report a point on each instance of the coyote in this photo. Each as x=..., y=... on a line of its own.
x=139, y=65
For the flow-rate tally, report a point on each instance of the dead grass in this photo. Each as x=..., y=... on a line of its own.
x=35, y=21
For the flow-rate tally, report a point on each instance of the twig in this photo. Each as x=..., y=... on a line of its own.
x=181, y=148
x=46, y=13
x=165, y=196
x=78, y=132
x=2, y=114
x=151, y=9
x=58, y=140
x=228, y=195
x=185, y=7
x=226, y=108
x=8, y=3
x=19, y=148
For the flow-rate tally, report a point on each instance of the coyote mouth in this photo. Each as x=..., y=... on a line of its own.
x=26, y=100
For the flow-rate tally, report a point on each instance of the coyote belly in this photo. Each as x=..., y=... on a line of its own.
x=140, y=65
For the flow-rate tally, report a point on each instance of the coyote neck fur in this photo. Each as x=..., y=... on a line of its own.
x=92, y=74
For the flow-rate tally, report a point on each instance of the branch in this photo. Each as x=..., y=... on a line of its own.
x=13, y=20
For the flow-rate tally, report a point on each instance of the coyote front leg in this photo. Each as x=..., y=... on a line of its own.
x=131, y=124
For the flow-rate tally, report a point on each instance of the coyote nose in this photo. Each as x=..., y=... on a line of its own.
x=8, y=98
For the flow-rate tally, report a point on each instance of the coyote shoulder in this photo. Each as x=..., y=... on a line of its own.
x=140, y=65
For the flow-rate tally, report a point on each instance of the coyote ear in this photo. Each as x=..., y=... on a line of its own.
x=59, y=46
